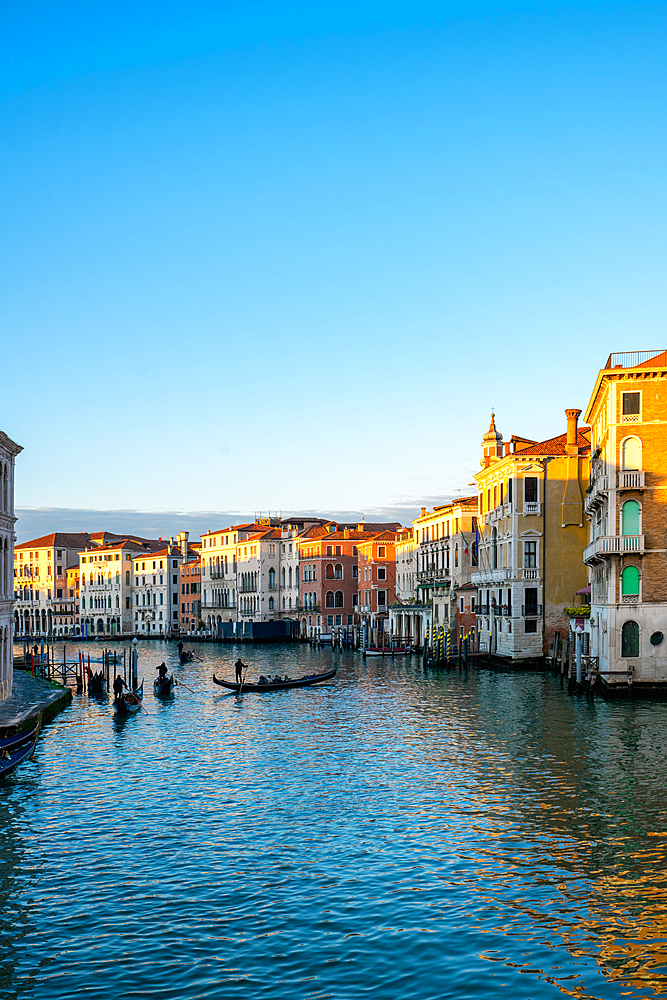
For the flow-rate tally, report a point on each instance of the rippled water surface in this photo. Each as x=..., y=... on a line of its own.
x=392, y=834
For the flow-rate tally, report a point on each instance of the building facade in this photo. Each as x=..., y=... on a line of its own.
x=190, y=574
x=626, y=506
x=8, y=453
x=532, y=537
x=106, y=580
x=44, y=606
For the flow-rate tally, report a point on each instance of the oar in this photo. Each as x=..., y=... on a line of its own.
x=243, y=680
x=182, y=685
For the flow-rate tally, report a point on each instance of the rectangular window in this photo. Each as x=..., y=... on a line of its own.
x=183, y=608
x=530, y=489
x=329, y=619
x=175, y=598
x=509, y=490
x=174, y=578
x=463, y=606
x=631, y=404
x=355, y=572
x=382, y=551
x=530, y=597
x=338, y=619
x=338, y=553
x=127, y=602
x=59, y=593
x=530, y=625
x=530, y=555
x=382, y=598
x=329, y=550
x=382, y=573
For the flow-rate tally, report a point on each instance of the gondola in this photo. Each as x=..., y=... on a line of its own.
x=276, y=686
x=15, y=749
x=130, y=701
x=187, y=656
x=163, y=688
x=386, y=651
x=97, y=684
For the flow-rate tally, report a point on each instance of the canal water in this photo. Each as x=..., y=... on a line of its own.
x=392, y=834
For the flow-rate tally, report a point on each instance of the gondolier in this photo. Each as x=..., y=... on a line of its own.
x=118, y=685
x=240, y=667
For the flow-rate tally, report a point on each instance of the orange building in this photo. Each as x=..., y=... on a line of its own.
x=190, y=594
x=377, y=575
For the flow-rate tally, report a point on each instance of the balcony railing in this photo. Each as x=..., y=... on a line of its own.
x=632, y=359
x=596, y=492
x=491, y=576
x=531, y=610
x=631, y=480
x=531, y=507
x=530, y=574
x=609, y=545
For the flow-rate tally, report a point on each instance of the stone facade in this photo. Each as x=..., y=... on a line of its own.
x=532, y=536
x=8, y=452
x=626, y=505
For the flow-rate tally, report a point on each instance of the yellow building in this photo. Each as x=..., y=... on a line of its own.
x=627, y=505
x=532, y=536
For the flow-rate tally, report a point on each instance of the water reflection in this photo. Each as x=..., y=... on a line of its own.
x=397, y=833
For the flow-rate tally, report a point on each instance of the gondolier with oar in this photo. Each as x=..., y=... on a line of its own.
x=118, y=685
x=239, y=666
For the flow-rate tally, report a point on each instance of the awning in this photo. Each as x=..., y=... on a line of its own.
x=424, y=586
x=585, y=590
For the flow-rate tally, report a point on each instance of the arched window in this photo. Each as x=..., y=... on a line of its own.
x=117, y=576
x=329, y=572
x=339, y=599
x=283, y=577
x=456, y=554
x=272, y=579
x=630, y=639
x=494, y=549
x=631, y=455
x=630, y=581
x=339, y=572
x=630, y=518
x=329, y=599
x=270, y=604
x=290, y=576
x=127, y=578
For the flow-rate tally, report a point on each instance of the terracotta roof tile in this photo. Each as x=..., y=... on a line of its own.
x=556, y=446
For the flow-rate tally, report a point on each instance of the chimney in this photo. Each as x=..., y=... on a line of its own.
x=571, y=446
x=423, y=514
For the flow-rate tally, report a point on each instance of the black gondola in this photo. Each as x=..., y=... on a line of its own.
x=163, y=688
x=130, y=701
x=15, y=749
x=187, y=656
x=97, y=684
x=276, y=685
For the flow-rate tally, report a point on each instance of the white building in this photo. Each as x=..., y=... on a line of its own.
x=156, y=588
x=106, y=582
x=8, y=452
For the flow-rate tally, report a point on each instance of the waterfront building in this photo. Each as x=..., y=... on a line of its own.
x=377, y=576
x=446, y=558
x=532, y=536
x=328, y=573
x=626, y=507
x=156, y=587
x=106, y=582
x=43, y=605
x=8, y=453
x=72, y=584
x=409, y=616
x=190, y=574
x=219, y=573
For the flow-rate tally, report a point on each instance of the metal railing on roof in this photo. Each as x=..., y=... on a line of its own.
x=631, y=359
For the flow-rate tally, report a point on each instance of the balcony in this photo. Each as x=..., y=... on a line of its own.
x=532, y=507
x=483, y=577
x=596, y=493
x=531, y=610
x=530, y=574
x=609, y=545
x=631, y=480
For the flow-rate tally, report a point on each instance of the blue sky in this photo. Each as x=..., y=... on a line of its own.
x=288, y=256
